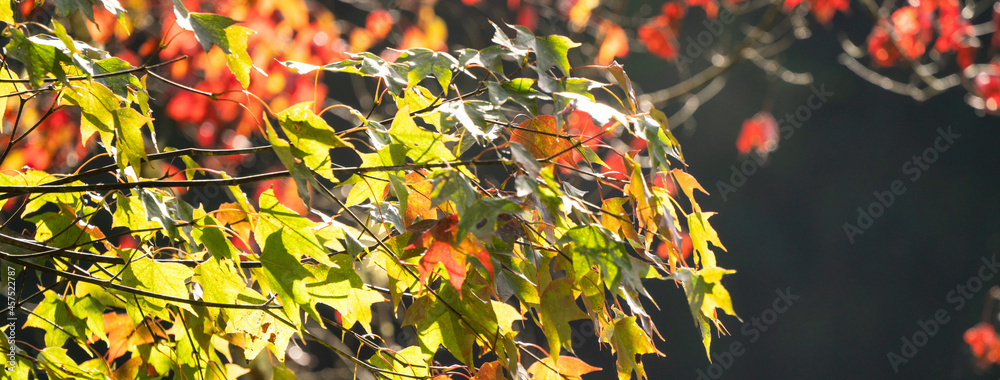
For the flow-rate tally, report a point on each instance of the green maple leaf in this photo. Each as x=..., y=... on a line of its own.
x=295, y=229
x=629, y=343
x=67, y=7
x=423, y=62
x=702, y=233
x=261, y=330
x=283, y=272
x=215, y=240
x=58, y=363
x=421, y=145
x=130, y=213
x=40, y=57
x=239, y=61
x=101, y=112
x=53, y=309
x=222, y=283
x=212, y=29
x=342, y=289
x=410, y=360
x=119, y=84
x=6, y=13
x=372, y=185
x=705, y=294
x=168, y=279
x=558, y=308
x=311, y=137
x=592, y=246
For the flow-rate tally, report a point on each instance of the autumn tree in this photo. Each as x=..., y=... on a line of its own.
x=201, y=189
x=184, y=199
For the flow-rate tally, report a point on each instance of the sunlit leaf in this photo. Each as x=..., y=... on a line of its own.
x=569, y=368
x=558, y=308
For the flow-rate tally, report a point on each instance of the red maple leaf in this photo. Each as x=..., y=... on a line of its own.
x=614, y=44
x=984, y=343
x=660, y=34
x=987, y=84
x=379, y=23
x=759, y=133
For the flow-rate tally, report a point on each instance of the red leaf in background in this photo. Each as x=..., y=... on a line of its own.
x=206, y=134
x=35, y=155
x=759, y=133
x=103, y=26
x=379, y=23
x=616, y=166
x=127, y=241
x=615, y=43
x=12, y=203
x=660, y=41
x=955, y=30
x=982, y=339
x=710, y=7
x=671, y=13
x=663, y=251
x=660, y=34
x=579, y=123
x=662, y=180
x=188, y=106
x=987, y=84
x=471, y=2
x=907, y=28
x=527, y=17
x=966, y=56
x=880, y=47
x=823, y=10
x=172, y=173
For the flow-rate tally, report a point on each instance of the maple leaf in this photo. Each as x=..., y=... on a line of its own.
x=570, y=368
x=540, y=136
x=342, y=289
x=985, y=344
x=418, y=198
x=660, y=41
x=660, y=34
x=379, y=23
x=629, y=343
x=759, y=133
x=489, y=371
x=558, y=308
x=123, y=334
x=439, y=241
x=614, y=43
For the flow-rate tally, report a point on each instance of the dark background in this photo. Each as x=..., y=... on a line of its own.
x=784, y=227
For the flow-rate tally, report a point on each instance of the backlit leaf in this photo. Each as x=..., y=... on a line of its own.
x=558, y=308
x=629, y=343
x=342, y=289
x=569, y=368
